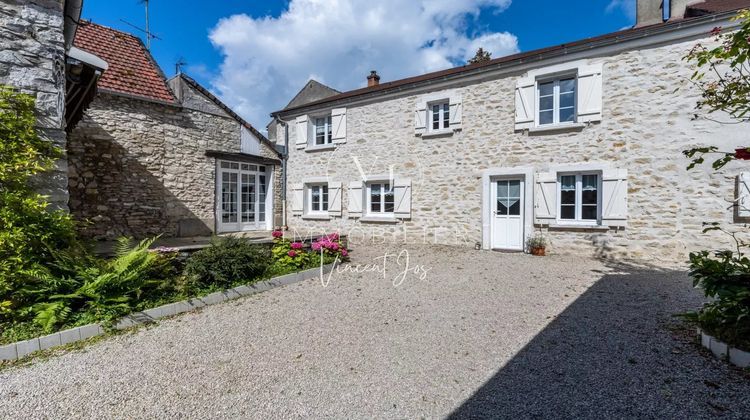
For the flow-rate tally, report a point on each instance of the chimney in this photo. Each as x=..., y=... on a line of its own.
x=649, y=12
x=373, y=79
x=677, y=8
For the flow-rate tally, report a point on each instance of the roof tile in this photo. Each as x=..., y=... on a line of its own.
x=131, y=70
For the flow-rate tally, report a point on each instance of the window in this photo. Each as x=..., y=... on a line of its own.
x=579, y=198
x=323, y=131
x=440, y=116
x=557, y=101
x=380, y=198
x=318, y=198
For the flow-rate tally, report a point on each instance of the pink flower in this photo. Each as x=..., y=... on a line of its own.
x=335, y=246
x=333, y=237
x=344, y=252
x=277, y=234
x=296, y=245
x=316, y=246
x=292, y=254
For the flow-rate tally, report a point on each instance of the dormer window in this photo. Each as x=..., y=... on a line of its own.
x=323, y=131
x=557, y=101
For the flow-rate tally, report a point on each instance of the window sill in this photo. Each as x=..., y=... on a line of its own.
x=438, y=133
x=320, y=148
x=316, y=217
x=557, y=127
x=579, y=228
x=378, y=219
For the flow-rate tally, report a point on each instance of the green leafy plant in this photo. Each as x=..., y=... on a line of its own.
x=79, y=283
x=28, y=228
x=537, y=241
x=723, y=76
x=724, y=276
x=289, y=256
x=226, y=262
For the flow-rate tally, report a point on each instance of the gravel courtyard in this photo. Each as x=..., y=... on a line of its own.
x=482, y=334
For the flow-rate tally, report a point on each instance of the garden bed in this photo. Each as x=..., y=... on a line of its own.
x=21, y=349
x=724, y=351
x=86, y=293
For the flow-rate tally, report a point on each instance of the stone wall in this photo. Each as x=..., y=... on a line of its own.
x=647, y=121
x=32, y=59
x=139, y=168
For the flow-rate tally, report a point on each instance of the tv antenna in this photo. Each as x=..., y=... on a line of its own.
x=147, y=31
x=178, y=65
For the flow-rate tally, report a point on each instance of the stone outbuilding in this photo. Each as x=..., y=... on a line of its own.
x=153, y=156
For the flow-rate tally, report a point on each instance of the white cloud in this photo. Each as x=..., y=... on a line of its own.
x=627, y=7
x=337, y=42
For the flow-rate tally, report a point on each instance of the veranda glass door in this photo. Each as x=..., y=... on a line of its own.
x=241, y=192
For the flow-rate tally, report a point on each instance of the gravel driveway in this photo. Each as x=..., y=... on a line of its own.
x=483, y=334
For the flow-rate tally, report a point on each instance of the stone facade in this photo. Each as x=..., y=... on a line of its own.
x=647, y=120
x=32, y=59
x=139, y=168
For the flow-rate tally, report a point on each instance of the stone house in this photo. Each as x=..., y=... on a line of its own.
x=37, y=57
x=581, y=142
x=156, y=156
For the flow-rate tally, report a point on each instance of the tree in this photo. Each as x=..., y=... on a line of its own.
x=28, y=229
x=481, y=56
x=723, y=76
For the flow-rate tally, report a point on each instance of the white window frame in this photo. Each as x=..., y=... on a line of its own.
x=327, y=130
x=368, y=200
x=578, y=199
x=444, y=120
x=555, y=79
x=309, y=202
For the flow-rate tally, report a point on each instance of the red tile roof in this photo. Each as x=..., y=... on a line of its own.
x=131, y=70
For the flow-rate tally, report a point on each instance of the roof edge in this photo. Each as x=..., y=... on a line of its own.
x=585, y=45
x=192, y=82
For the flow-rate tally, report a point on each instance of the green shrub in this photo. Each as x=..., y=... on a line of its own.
x=79, y=285
x=724, y=277
x=28, y=228
x=226, y=262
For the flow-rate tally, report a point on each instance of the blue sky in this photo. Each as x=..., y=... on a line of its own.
x=257, y=54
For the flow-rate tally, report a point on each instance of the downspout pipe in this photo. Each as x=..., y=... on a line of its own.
x=284, y=159
x=72, y=15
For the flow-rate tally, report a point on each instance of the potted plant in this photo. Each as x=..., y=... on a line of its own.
x=537, y=245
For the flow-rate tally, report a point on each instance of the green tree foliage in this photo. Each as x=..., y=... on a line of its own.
x=723, y=76
x=28, y=229
x=481, y=56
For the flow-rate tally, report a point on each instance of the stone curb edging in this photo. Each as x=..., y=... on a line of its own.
x=724, y=351
x=22, y=349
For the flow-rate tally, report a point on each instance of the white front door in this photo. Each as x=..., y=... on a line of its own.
x=242, y=193
x=507, y=207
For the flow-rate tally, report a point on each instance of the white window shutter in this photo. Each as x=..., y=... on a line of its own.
x=402, y=198
x=298, y=199
x=334, y=198
x=615, y=197
x=420, y=118
x=525, y=103
x=743, y=194
x=456, y=111
x=589, y=103
x=338, y=120
x=355, y=199
x=302, y=129
x=545, y=197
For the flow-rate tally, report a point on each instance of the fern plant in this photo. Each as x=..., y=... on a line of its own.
x=79, y=283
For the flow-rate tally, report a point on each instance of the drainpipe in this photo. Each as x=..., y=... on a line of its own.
x=283, y=171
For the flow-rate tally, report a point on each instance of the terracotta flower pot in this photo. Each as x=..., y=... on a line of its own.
x=538, y=251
